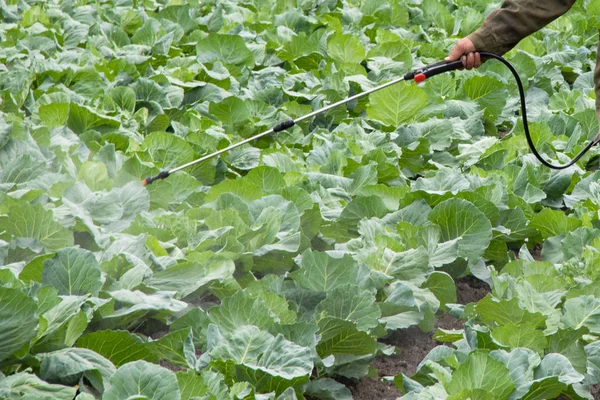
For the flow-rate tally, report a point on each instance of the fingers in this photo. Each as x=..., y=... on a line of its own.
x=471, y=60
x=477, y=60
x=465, y=51
x=456, y=52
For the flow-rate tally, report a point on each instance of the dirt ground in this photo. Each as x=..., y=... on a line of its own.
x=414, y=345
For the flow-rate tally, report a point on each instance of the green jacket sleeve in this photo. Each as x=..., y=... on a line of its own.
x=515, y=20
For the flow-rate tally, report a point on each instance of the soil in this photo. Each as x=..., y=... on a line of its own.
x=596, y=391
x=470, y=290
x=413, y=345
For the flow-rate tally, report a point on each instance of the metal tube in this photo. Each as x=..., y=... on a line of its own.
x=281, y=127
x=299, y=119
x=219, y=152
x=349, y=99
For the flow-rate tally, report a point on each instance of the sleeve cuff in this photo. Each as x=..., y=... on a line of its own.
x=484, y=40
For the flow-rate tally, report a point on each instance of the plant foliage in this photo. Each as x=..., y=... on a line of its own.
x=274, y=270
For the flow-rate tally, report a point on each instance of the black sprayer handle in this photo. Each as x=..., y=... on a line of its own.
x=428, y=71
x=161, y=175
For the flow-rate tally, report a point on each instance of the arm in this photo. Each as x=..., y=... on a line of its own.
x=517, y=19
x=504, y=28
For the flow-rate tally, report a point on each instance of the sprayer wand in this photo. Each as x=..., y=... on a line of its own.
x=418, y=75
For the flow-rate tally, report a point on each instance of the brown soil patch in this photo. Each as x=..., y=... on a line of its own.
x=470, y=289
x=413, y=345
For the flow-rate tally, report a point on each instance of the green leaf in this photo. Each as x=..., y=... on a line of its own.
x=473, y=394
x=54, y=114
x=501, y=312
x=230, y=49
x=322, y=272
x=300, y=333
x=245, y=344
x=159, y=123
x=231, y=112
x=26, y=386
x=179, y=14
x=564, y=101
x=582, y=311
x=404, y=320
x=243, y=158
x=490, y=93
x=209, y=383
x=362, y=207
x=553, y=222
x=396, y=51
x=442, y=286
x=268, y=363
x=190, y=384
x=396, y=104
x=346, y=49
x=151, y=94
x=569, y=343
x=444, y=181
x=234, y=191
x=19, y=321
x=111, y=345
x=83, y=118
x=409, y=265
x=407, y=305
x=33, y=15
x=35, y=222
x=176, y=347
x=592, y=352
x=267, y=179
x=517, y=224
x=349, y=302
x=22, y=170
x=282, y=358
x=558, y=365
x=481, y=371
x=328, y=389
x=520, y=335
x=448, y=335
x=95, y=176
x=186, y=278
x=123, y=97
x=278, y=306
x=61, y=325
x=240, y=310
x=196, y=319
x=67, y=366
x=215, y=22
x=33, y=271
x=73, y=271
x=134, y=305
x=343, y=337
x=460, y=219
x=167, y=150
x=140, y=378
x=438, y=14
x=547, y=388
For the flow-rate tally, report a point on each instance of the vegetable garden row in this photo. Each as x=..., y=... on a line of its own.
x=275, y=271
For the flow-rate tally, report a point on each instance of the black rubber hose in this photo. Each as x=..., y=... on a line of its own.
x=485, y=54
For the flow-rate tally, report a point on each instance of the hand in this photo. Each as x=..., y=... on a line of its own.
x=466, y=51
